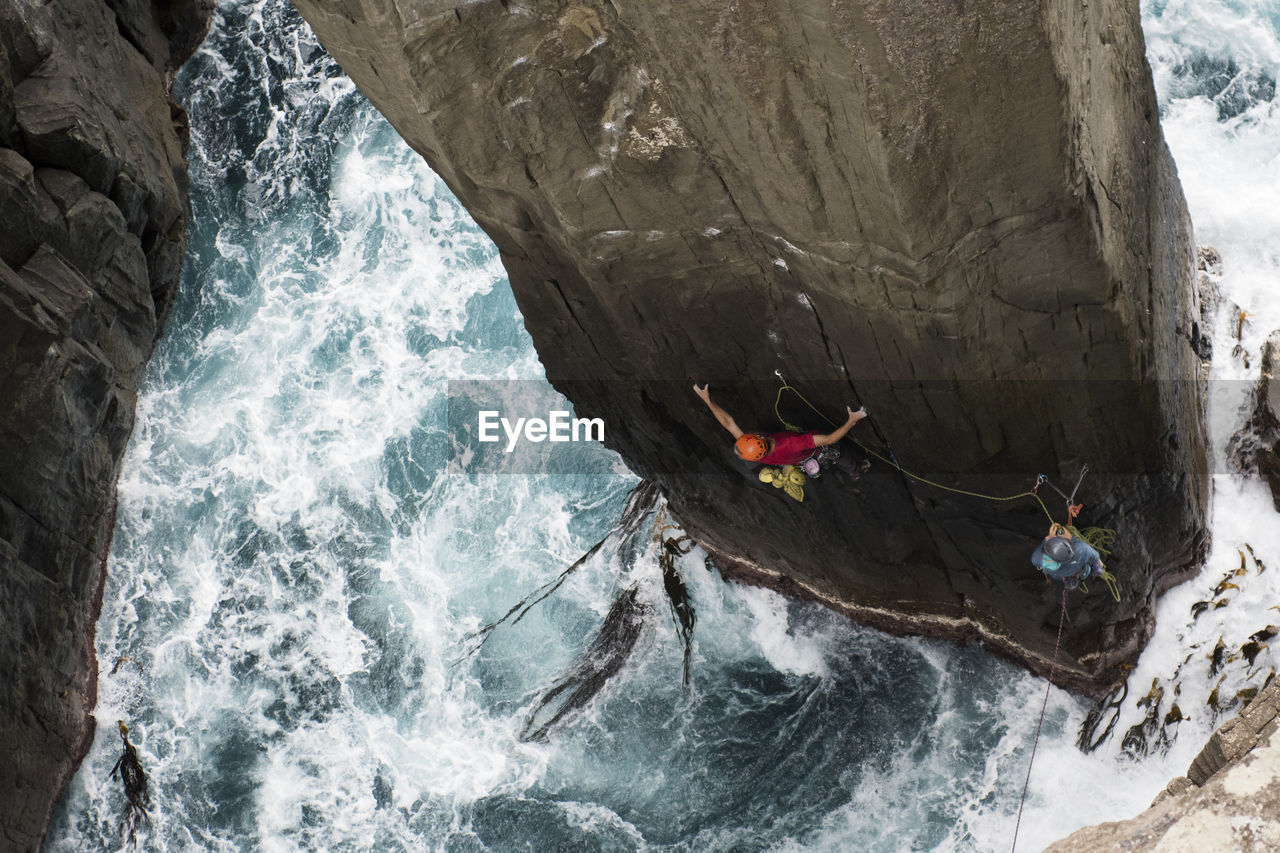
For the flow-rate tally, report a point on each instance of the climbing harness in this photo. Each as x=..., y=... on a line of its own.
x=1062, y=618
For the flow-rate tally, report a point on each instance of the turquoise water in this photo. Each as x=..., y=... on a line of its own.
x=300, y=555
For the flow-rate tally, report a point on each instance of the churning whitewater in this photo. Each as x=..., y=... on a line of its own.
x=303, y=554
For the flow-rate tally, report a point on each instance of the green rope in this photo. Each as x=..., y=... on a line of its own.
x=1098, y=537
x=1110, y=580
x=793, y=428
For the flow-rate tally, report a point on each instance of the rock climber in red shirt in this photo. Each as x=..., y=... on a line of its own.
x=782, y=448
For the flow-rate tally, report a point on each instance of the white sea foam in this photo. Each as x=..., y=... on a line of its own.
x=784, y=649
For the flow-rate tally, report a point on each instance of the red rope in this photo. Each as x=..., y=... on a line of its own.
x=1062, y=618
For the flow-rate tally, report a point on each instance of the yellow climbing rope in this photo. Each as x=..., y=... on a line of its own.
x=1098, y=537
x=789, y=478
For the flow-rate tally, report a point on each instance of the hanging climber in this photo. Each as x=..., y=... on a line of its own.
x=1063, y=557
x=808, y=451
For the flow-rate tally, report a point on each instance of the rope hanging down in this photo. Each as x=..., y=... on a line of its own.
x=1062, y=617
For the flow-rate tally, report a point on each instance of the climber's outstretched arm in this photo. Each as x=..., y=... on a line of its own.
x=833, y=437
x=726, y=420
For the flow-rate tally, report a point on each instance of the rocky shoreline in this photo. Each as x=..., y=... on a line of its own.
x=92, y=233
x=1229, y=800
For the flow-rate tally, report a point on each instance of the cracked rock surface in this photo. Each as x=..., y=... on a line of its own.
x=964, y=218
x=92, y=224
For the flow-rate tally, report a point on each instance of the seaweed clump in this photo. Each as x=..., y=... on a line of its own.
x=682, y=610
x=640, y=503
x=601, y=660
x=1089, y=739
x=134, y=779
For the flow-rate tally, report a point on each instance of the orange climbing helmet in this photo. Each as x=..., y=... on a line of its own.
x=751, y=447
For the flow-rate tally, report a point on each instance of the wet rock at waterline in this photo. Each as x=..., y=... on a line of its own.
x=1208, y=278
x=966, y=220
x=1256, y=447
x=92, y=224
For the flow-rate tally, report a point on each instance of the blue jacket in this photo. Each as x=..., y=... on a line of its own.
x=1084, y=563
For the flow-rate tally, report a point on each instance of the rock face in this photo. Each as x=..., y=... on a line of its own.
x=963, y=216
x=1257, y=446
x=1229, y=799
x=92, y=221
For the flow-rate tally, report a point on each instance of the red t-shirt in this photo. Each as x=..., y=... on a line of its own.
x=790, y=448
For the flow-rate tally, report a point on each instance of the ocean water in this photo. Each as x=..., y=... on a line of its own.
x=300, y=560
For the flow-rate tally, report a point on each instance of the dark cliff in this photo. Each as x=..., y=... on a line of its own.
x=962, y=215
x=92, y=223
